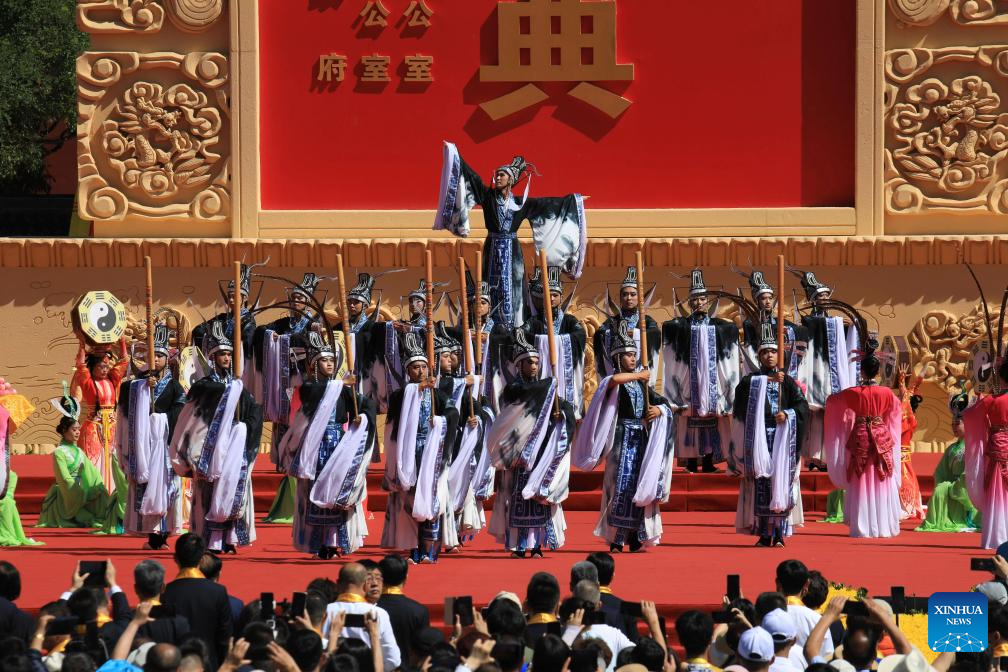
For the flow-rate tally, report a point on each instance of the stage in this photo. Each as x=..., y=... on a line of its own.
x=687, y=571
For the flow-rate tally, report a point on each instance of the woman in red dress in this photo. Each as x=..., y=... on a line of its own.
x=911, y=504
x=96, y=386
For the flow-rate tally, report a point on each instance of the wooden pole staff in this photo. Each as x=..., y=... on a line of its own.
x=149, y=301
x=429, y=299
x=642, y=325
x=781, y=349
x=466, y=334
x=344, y=311
x=478, y=328
x=236, y=353
x=548, y=312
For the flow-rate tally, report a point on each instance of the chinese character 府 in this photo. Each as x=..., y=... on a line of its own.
x=332, y=66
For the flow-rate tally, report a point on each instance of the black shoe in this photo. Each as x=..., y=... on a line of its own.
x=229, y=549
x=635, y=544
x=778, y=542
x=517, y=554
x=536, y=552
x=691, y=465
x=763, y=542
x=708, y=465
x=615, y=548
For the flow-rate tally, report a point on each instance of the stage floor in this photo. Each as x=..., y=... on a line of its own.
x=687, y=571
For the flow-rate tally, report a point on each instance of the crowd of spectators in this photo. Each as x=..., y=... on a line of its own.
x=365, y=622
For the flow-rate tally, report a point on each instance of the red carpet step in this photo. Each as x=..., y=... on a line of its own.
x=690, y=492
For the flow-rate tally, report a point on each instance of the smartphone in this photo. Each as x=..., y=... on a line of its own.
x=976, y=565
x=162, y=611
x=732, y=589
x=723, y=616
x=354, y=621
x=855, y=608
x=298, y=604
x=267, y=605
x=464, y=610
x=897, y=599
x=595, y=617
x=95, y=569
x=62, y=626
x=631, y=609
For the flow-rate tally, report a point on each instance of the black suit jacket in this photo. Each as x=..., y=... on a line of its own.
x=121, y=616
x=166, y=630
x=627, y=624
x=407, y=617
x=15, y=622
x=206, y=606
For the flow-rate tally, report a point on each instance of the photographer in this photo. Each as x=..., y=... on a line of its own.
x=50, y=646
x=580, y=617
x=724, y=650
x=863, y=633
x=148, y=584
x=91, y=607
x=352, y=602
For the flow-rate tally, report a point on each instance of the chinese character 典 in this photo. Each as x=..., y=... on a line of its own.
x=556, y=41
x=418, y=68
x=332, y=66
x=419, y=14
x=375, y=14
x=375, y=68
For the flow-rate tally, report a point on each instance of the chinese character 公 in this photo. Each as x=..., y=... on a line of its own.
x=375, y=14
x=418, y=13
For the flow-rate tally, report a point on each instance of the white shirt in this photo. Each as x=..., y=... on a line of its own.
x=614, y=639
x=784, y=664
x=805, y=619
x=390, y=650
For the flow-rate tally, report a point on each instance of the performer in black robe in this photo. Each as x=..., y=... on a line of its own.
x=628, y=312
x=795, y=335
x=361, y=322
x=419, y=432
x=698, y=348
x=169, y=398
x=532, y=444
x=201, y=334
x=558, y=225
x=828, y=365
x=222, y=507
x=571, y=338
x=771, y=415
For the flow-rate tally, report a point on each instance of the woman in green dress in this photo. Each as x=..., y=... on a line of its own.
x=78, y=498
x=14, y=409
x=950, y=508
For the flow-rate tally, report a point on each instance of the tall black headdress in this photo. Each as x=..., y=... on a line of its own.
x=522, y=348
x=161, y=339
x=622, y=340
x=555, y=283
x=443, y=342
x=697, y=286
x=535, y=283
x=420, y=292
x=413, y=349
x=768, y=337
x=631, y=278
x=812, y=286
x=516, y=169
x=318, y=348
x=218, y=341
x=484, y=289
x=308, y=285
x=958, y=404
x=362, y=290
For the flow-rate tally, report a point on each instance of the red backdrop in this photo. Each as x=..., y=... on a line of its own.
x=745, y=103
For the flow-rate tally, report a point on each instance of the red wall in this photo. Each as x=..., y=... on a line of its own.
x=738, y=103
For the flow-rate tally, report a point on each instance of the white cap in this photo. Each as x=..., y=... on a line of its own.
x=756, y=646
x=911, y=662
x=994, y=590
x=780, y=625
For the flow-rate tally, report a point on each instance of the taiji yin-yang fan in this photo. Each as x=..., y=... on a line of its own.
x=100, y=317
x=980, y=368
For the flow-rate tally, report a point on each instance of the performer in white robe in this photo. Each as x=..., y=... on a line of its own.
x=795, y=335
x=419, y=432
x=986, y=425
x=829, y=365
x=701, y=357
x=218, y=452
x=558, y=225
x=637, y=447
x=770, y=415
x=328, y=450
x=627, y=311
x=570, y=338
x=862, y=450
x=153, y=502
x=531, y=443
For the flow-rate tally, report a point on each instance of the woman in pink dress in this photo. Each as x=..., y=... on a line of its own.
x=910, y=495
x=862, y=449
x=96, y=386
x=986, y=425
